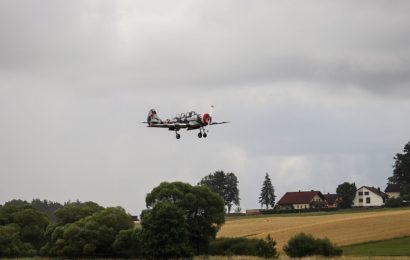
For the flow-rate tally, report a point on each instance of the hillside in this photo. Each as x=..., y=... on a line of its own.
x=342, y=229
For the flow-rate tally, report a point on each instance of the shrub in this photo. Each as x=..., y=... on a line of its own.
x=305, y=244
x=393, y=203
x=243, y=246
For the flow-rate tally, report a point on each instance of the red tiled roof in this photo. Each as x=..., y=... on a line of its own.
x=330, y=198
x=299, y=197
x=376, y=191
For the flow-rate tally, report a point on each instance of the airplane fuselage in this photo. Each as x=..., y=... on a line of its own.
x=190, y=121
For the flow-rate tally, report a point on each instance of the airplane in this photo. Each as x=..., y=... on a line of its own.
x=190, y=120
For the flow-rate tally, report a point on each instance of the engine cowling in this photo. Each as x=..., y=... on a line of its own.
x=206, y=119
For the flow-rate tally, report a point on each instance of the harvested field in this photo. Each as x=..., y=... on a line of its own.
x=342, y=229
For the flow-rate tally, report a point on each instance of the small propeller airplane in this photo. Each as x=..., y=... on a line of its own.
x=190, y=121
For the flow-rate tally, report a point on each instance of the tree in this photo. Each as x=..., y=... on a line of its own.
x=73, y=212
x=11, y=244
x=267, y=196
x=401, y=167
x=127, y=243
x=31, y=223
x=401, y=171
x=48, y=207
x=165, y=231
x=346, y=193
x=203, y=210
x=226, y=185
x=89, y=236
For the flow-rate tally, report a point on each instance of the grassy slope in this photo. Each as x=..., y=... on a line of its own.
x=391, y=247
x=342, y=228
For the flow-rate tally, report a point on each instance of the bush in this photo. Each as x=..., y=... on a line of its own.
x=11, y=244
x=244, y=246
x=305, y=244
x=393, y=203
x=128, y=243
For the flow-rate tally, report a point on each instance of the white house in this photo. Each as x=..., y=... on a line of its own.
x=369, y=197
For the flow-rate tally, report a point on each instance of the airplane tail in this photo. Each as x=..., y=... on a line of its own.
x=153, y=118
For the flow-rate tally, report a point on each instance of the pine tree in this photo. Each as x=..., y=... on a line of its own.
x=267, y=196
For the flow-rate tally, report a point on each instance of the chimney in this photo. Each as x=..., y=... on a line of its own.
x=378, y=189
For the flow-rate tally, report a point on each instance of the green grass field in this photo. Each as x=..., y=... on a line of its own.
x=390, y=247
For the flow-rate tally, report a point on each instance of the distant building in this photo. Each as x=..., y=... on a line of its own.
x=301, y=200
x=369, y=197
x=331, y=200
x=253, y=212
x=135, y=219
x=392, y=190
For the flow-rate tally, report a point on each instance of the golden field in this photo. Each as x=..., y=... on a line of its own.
x=342, y=229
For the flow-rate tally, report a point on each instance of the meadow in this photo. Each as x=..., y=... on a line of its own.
x=343, y=229
x=391, y=247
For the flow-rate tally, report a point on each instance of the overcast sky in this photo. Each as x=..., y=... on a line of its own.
x=317, y=92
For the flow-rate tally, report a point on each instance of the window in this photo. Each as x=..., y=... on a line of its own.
x=366, y=193
x=361, y=200
x=368, y=200
x=360, y=193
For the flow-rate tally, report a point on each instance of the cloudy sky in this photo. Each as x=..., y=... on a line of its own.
x=318, y=93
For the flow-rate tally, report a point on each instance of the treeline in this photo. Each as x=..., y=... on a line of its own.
x=180, y=221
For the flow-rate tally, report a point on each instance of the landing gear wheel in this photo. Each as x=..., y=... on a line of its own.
x=178, y=136
x=199, y=135
x=205, y=135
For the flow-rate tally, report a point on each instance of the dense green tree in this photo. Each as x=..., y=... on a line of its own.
x=48, y=207
x=346, y=193
x=17, y=202
x=165, y=231
x=128, y=243
x=11, y=244
x=405, y=192
x=267, y=196
x=89, y=236
x=226, y=185
x=401, y=172
x=401, y=167
x=31, y=222
x=73, y=212
x=203, y=210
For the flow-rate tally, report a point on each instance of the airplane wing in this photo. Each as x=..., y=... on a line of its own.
x=219, y=123
x=170, y=126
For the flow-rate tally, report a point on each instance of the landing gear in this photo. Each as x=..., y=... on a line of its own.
x=202, y=133
x=177, y=135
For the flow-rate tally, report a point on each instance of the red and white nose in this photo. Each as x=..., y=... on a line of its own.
x=206, y=119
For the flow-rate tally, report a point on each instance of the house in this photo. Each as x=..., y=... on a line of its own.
x=253, y=212
x=135, y=219
x=301, y=200
x=392, y=190
x=331, y=200
x=369, y=197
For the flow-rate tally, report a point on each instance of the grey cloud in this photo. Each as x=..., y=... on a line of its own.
x=315, y=90
x=195, y=44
